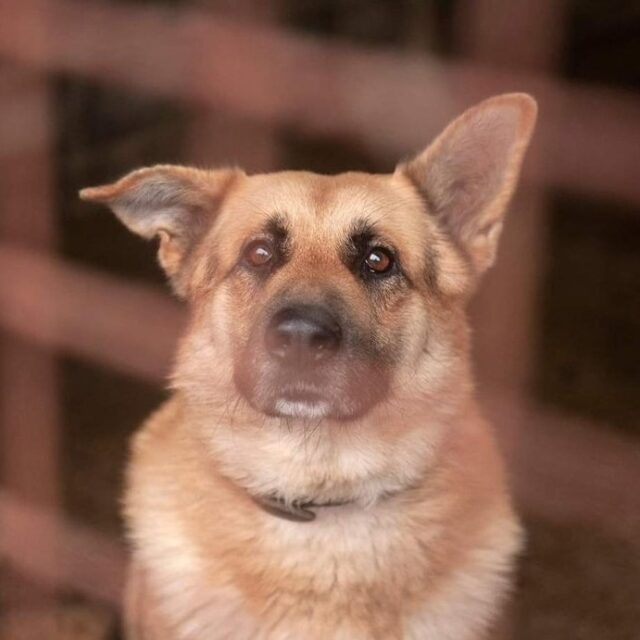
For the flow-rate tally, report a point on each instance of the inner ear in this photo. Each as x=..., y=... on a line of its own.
x=176, y=204
x=468, y=174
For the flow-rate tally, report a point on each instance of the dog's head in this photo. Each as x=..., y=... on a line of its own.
x=321, y=297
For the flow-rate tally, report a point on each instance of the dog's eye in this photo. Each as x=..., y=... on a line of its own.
x=379, y=261
x=258, y=254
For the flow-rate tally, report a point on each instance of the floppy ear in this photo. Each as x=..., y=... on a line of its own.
x=468, y=174
x=177, y=204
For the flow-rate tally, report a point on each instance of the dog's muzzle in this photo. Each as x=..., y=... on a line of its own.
x=303, y=363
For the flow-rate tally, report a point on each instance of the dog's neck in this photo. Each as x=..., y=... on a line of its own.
x=293, y=477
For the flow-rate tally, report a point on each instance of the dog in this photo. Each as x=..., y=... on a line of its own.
x=321, y=469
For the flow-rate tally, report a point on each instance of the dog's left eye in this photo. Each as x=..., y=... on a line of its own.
x=258, y=253
x=379, y=261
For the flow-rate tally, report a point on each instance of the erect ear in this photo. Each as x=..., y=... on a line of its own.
x=175, y=203
x=468, y=174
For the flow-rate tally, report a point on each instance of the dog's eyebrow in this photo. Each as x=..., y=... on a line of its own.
x=360, y=234
x=362, y=227
x=277, y=227
x=359, y=237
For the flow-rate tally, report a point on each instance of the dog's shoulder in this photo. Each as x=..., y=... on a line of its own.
x=158, y=426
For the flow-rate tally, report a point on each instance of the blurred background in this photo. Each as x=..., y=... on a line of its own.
x=90, y=89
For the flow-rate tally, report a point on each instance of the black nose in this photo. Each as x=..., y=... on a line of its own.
x=303, y=334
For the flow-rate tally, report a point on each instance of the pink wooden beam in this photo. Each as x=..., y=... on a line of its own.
x=505, y=311
x=216, y=137
x=543, y=446
x=131, y=327
x=85, y=560
x=525, y=35
x=567, y=468
x=391, y=103
x=29, y=398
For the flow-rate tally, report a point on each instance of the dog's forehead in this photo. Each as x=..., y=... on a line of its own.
x=332, y=203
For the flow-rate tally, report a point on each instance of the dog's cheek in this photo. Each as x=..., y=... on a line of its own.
x=423, y=354
x=200, y=275
x=402, y=329
x=212, y=324
x=243, y=309
x=441, y=356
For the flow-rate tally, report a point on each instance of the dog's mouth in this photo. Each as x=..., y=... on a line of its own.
x=340, y=398
x=302, y=401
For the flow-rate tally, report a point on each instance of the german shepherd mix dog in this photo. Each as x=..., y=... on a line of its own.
x=321, y=470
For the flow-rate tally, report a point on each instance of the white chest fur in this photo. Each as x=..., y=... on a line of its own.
x=341, y=554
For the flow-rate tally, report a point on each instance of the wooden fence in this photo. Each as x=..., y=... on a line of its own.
x=388, y=101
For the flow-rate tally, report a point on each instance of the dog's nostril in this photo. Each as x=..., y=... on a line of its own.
x=280, y=337
x=321, y=342
x=303, y=333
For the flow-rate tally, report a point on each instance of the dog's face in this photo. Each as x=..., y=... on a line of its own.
x=321, y=289
x=322, y=297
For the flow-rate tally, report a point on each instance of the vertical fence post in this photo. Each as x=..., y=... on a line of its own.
x=518, y=36
x=215, y=137
x=29, y=403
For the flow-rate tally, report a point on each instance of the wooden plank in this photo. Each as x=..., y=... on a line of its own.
x=86, y=561
x=524, y=35
x=518, y=36
x=216, y=137
x=569, y=469
x=589, y=454
x=504, y=312
x=29, y=398
x=130, y=327
x=542, y=443
x=391, y=103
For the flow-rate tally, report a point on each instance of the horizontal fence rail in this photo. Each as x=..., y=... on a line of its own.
x=566, y=468
x=390, y=103
x=560, y=464
x=84, y=559
x=561, y=469
x=130, y=327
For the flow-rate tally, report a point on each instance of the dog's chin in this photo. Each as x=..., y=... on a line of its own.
x=309, y=399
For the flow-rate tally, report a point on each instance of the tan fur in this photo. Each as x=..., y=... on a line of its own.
x=424, y=547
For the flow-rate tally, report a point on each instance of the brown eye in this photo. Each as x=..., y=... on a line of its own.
x=258, y=254
x=379, y=261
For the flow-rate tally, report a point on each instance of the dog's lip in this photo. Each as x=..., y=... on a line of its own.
x=307, y=399
x=302, y=392
x=302, y=400
x=302, y=409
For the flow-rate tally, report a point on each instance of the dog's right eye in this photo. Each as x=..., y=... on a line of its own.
x=379, y=261
x=258, y=253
